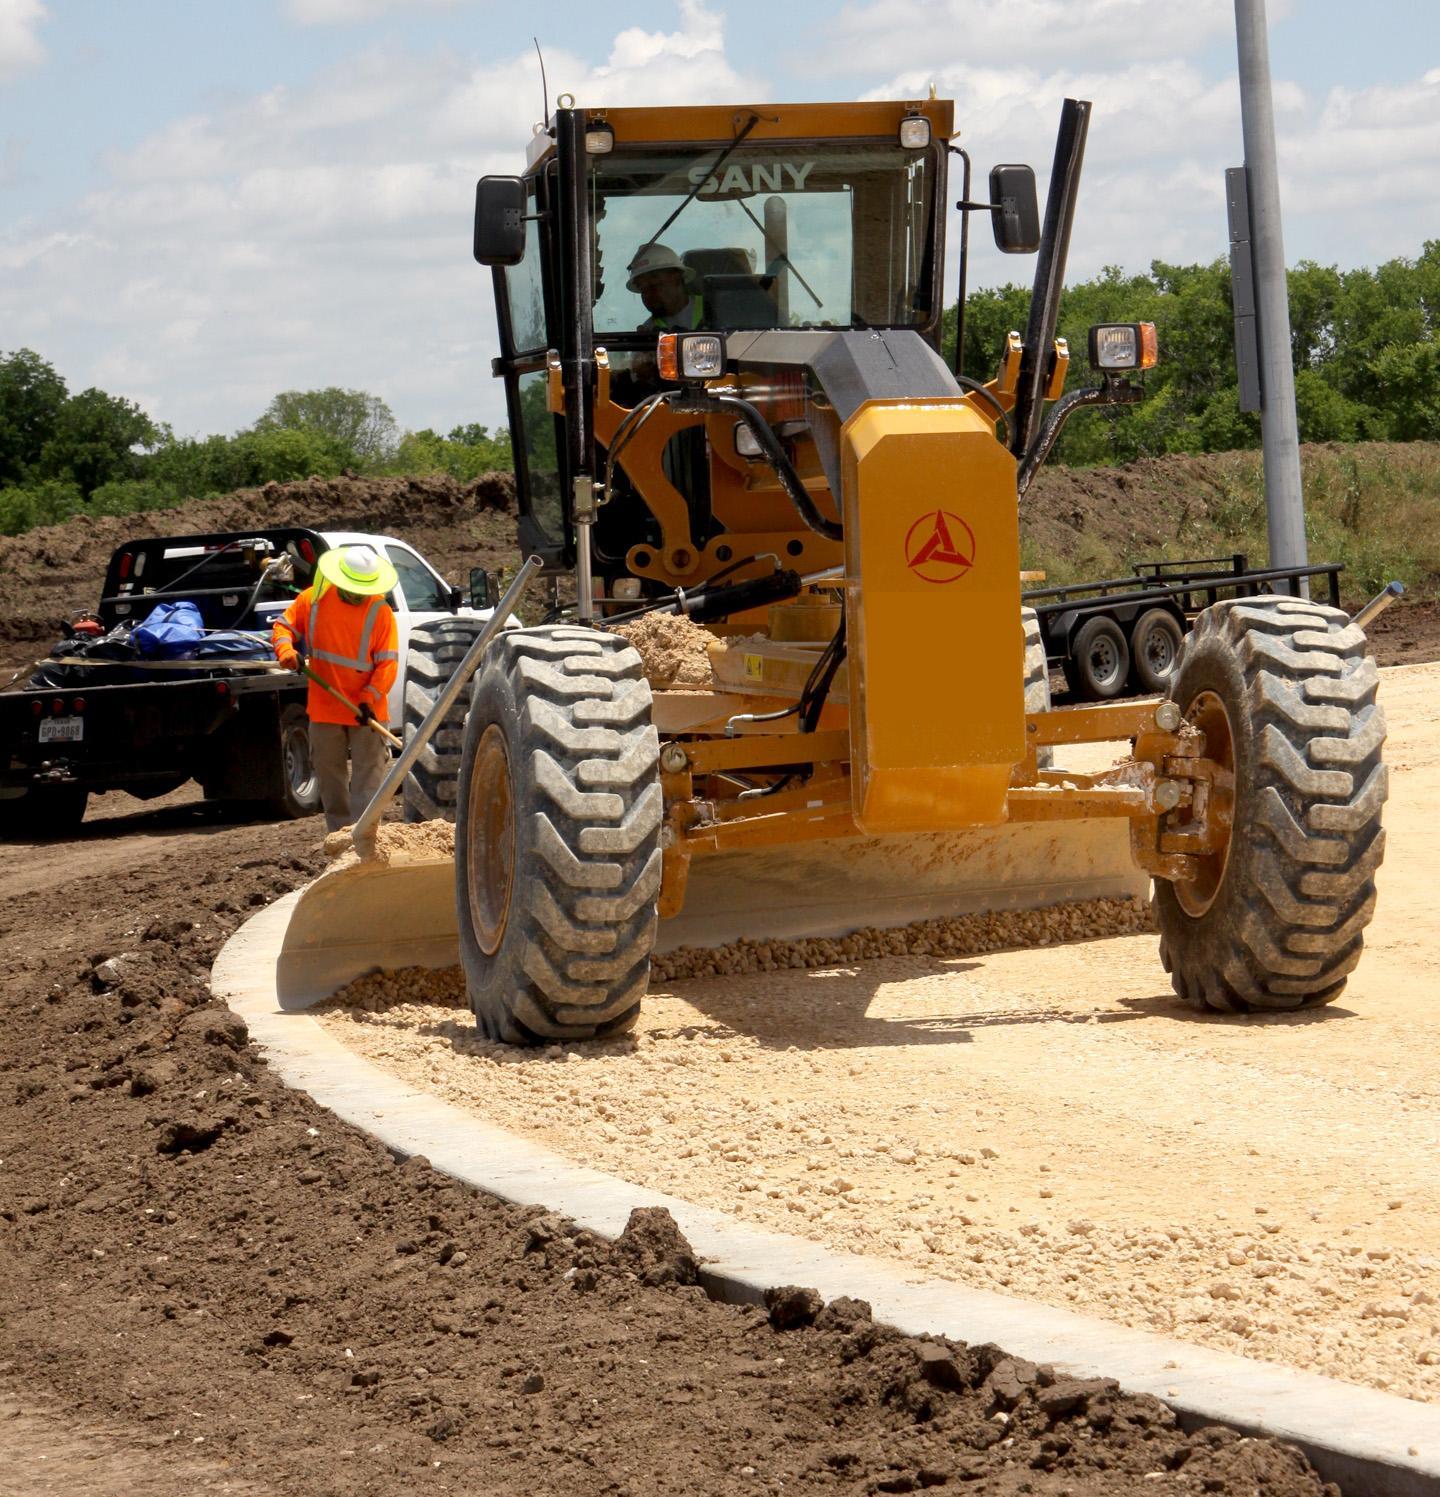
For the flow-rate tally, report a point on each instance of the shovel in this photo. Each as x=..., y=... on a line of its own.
x=340, y=696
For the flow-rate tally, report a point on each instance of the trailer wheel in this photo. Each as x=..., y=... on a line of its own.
x=300, y=792
x=1155, y=643
x=43, y=813
x=557, y=838
x=1037, y=677
x=1099, y=660
x=435, y=650
x=1285, y=696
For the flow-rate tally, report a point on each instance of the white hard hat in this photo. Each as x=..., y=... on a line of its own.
x=653, y=257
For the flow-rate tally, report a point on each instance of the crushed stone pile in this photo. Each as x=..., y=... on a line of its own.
x=960, y=935
x=957, y=935
x=395, y=841
x=674, y=650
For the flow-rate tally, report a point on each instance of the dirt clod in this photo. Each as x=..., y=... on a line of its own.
x=790, y=1305
x=654, y=1248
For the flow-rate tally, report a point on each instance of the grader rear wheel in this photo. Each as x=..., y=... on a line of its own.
x=1285, y=696
x=557, y=847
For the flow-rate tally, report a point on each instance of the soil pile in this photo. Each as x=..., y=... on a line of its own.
x=1086, y=517
x=286, y=1303
x=48, y=575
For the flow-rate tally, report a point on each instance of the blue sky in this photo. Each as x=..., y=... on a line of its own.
x=208, y=201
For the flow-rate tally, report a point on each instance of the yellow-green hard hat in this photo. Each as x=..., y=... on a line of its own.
x=357, y=569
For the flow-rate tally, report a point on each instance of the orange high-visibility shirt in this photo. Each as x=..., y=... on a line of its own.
x=353, y=646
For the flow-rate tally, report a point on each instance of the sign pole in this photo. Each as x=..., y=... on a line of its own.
x=1279, y=431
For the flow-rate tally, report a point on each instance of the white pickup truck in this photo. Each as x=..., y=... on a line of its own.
x=98, y=717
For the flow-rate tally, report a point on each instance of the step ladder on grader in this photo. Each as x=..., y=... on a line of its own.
x=719, y=339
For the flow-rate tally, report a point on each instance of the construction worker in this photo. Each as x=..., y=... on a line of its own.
x=342, y=624
x=665, y=284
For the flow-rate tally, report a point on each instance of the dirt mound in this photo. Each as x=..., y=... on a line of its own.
x=47, y=575
x=284, y=1298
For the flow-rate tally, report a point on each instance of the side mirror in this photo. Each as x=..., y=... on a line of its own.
x=1014, y=210
x=482, y=588
x=500, y=220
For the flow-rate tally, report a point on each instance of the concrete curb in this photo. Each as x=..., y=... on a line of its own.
x=1371, y=1443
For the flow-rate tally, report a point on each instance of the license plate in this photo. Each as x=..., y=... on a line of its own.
x=62, y=729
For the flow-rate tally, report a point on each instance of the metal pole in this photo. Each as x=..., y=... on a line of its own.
x=365, y=822
x=1280, y=435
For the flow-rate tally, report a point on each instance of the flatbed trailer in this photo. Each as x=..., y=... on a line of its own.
x=1123, y=635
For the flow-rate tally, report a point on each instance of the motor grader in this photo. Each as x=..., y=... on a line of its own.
x=784, y=458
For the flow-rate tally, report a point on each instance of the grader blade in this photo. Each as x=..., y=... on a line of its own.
x=368, y=915
x=361, y=916
x=834, y=887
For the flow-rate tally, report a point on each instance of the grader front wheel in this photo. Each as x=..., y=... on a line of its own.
x=1276, y=914
x=557, y=837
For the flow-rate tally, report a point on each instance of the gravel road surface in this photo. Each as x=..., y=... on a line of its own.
x=1048, y=1122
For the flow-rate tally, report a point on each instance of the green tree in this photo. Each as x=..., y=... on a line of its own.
x=1410, y=375
x=361, y=425
x=31, y=397
x=94, y=438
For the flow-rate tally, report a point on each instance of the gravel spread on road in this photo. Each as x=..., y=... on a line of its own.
x=1047, y=1122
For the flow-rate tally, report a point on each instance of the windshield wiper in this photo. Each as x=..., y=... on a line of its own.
x=720, y=161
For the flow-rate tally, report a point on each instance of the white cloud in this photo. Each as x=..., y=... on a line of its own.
x=20, y=45
x=1161, y=135
x=317, y=234
x=349, y=12
x=888, y=36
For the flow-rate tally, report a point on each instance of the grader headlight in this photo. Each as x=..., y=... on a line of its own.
x=914, y=132
x=1117, y=346
x=690, y=356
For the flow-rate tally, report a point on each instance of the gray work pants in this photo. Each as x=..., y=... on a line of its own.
x=346, y=788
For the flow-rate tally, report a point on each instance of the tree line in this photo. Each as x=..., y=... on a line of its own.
x=63, y=455
x=1365, y=343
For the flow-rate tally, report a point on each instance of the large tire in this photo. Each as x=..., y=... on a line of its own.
x=43, y=813
x=557, y=840
x=435, y=650
x=1037, y=677
x=300, y=795
x=1099, y=660
x=1155, y=643
x=1278, y=919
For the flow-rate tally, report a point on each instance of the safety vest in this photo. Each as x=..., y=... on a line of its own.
x=661, y=323
x=353, y=646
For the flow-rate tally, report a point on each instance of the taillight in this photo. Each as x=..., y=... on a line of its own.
x=38, y=708
x=126, y=561
x=78, y=705
x=222, y=688
x=307, y=550
x=57, y=707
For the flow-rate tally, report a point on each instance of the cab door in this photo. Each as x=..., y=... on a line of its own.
x=524, y=302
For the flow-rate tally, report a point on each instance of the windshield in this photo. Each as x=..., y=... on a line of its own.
x=775, y=236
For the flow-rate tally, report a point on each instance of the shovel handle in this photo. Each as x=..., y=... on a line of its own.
x=373, y=722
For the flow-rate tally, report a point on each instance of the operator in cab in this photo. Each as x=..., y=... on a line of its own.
x=342, y=631
x=662, y=280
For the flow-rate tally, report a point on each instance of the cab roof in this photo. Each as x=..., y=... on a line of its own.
x=718, y=124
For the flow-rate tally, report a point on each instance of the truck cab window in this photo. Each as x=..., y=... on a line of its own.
x=423, y=590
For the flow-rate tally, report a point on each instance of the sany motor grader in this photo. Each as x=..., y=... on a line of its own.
x=782, y=455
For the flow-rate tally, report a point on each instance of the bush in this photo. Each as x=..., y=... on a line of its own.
x=48, y=502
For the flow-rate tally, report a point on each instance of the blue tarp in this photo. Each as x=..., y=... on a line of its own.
x=233, y=644
x=170, y=631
